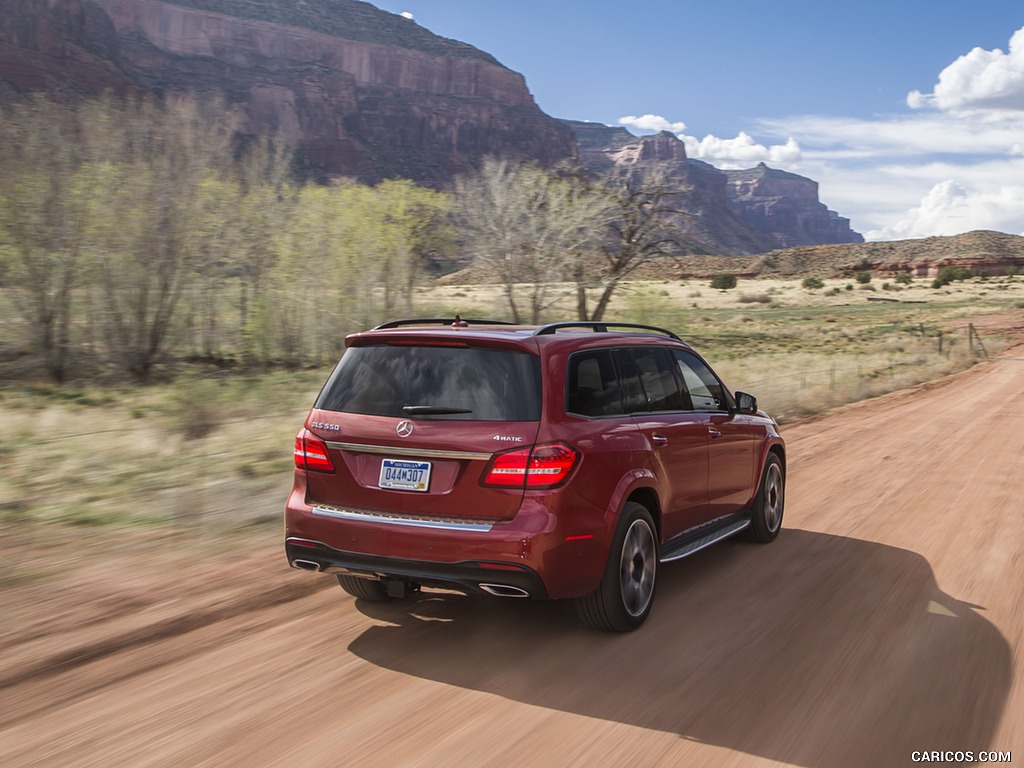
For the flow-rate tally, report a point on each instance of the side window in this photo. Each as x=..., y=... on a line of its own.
x=654, y=367
x=592, y=387
x=705, y=390
x=633, y=398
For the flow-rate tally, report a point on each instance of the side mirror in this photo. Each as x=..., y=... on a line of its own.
x=746, y=403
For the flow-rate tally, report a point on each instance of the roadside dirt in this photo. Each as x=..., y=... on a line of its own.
x=888, y=618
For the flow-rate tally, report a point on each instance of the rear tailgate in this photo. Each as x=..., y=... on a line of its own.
x=412, y=423
x=435, y=471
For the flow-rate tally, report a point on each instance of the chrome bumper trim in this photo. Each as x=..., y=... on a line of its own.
x=428, y=453
x=411, y=522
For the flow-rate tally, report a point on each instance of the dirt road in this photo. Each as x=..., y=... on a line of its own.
x=887, y=619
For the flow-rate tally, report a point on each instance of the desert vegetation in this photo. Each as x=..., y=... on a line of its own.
x=137, y=234
x=140, y=232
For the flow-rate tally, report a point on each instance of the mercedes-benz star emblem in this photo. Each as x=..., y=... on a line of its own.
x=404, y=428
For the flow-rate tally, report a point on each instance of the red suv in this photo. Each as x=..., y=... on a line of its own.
x=565, y=461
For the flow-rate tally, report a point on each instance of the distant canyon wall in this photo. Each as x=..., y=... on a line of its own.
x=729, y=212
x=358, y=108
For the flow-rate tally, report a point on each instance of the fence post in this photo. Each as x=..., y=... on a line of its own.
x=973, y=338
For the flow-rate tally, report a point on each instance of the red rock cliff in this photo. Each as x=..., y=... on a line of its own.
x=362, y=92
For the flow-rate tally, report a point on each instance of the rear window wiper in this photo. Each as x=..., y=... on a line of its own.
x=428, y=410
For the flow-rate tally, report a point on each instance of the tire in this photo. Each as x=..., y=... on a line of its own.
x=766, y=514
x=364, y=589
x=624, y=598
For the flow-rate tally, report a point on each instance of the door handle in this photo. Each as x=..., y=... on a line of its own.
x=715, y=434
x=658, y=440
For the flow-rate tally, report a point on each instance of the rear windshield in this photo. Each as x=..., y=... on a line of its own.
x=463, y=383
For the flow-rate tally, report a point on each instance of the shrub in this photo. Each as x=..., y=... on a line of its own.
x=723, y=281
x=863, y=278
x=813, y=283
x=948, y=274
x=904, y=278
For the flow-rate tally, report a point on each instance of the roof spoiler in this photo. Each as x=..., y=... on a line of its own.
x=454, y=322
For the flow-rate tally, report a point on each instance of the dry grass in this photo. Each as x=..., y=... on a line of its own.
x=797, y=385
x=196, y=454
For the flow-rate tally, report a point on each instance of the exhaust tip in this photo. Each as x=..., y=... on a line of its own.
x=306, y=565
x=504, y=590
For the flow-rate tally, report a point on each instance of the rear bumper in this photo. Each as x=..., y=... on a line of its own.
x=473, y=577
x=545, y=551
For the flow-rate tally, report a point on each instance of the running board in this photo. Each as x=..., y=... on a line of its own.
x=695, y=545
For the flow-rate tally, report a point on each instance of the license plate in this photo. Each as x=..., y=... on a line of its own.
x=404, y=475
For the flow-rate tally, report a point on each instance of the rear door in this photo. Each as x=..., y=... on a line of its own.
x=411, y=428
x=678, y=438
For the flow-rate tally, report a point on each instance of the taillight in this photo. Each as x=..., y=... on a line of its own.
x=311, y=453
x=542, y=466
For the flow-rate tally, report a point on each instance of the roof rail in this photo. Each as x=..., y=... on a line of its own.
x=601, y=327
x=452, y=321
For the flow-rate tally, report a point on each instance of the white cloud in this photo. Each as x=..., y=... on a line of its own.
x=980, y=79
x=949, y=209
x=651, y=123
x=407, y=15
x=902, y=135
x=741, y=151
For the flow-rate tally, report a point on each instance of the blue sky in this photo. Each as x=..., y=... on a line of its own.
x=909, y=113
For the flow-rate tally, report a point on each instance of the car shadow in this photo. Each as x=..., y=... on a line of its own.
x=818, y=650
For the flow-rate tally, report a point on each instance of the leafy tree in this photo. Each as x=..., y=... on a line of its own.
x=349, y=257
x=415, y=222
x=215, y=241
x=160, y=156
x=266, y=208
x=42, y=222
